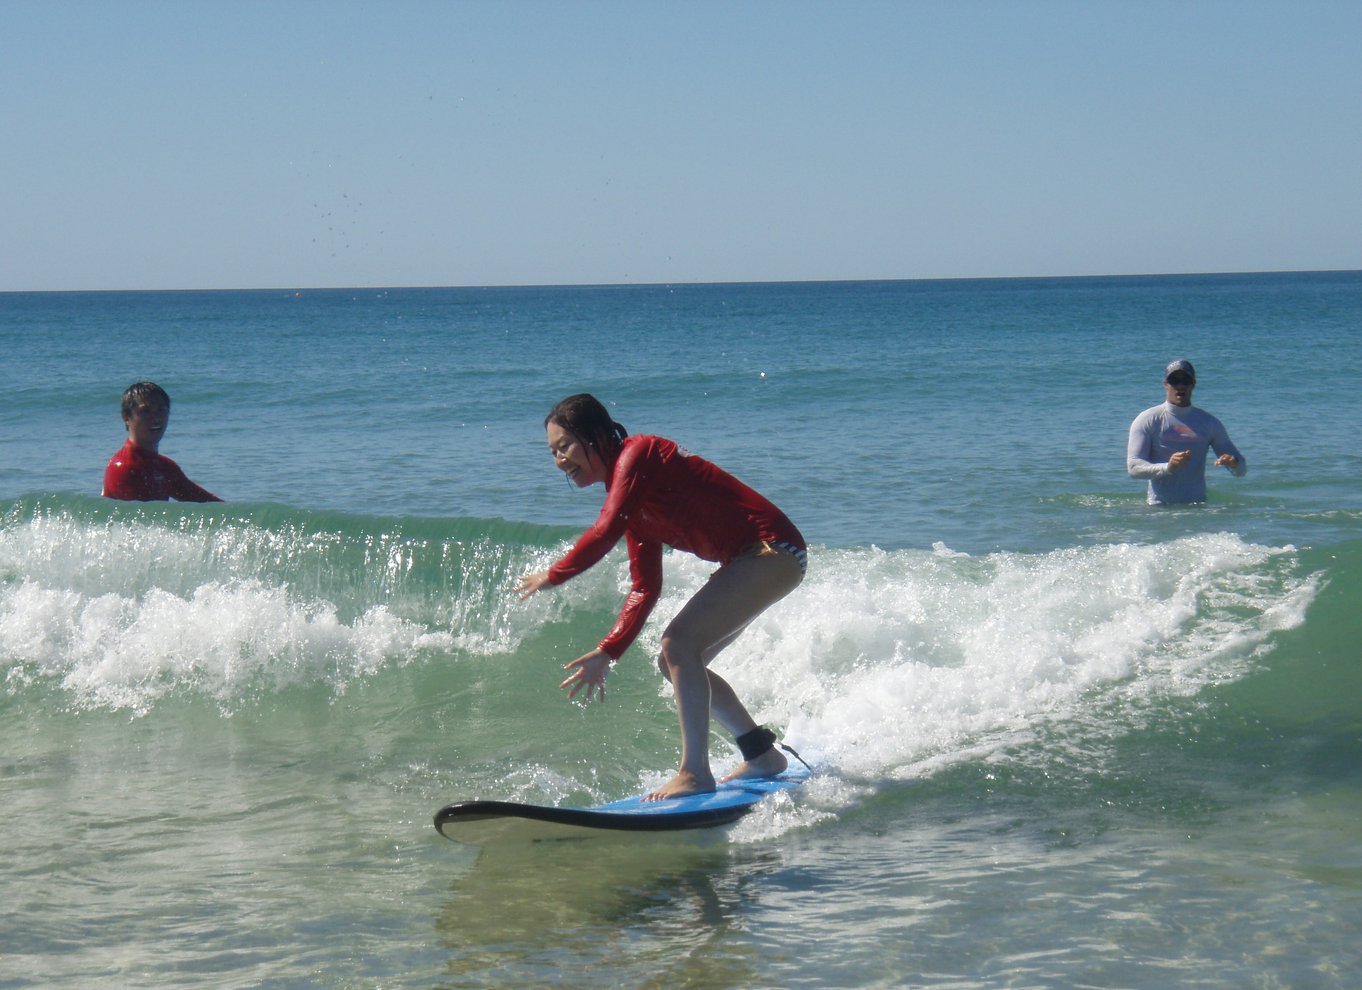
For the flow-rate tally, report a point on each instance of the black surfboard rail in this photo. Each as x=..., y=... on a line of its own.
x=452, y=815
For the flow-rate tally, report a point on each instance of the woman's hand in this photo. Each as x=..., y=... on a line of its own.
x=588, y=672
x=531, y=583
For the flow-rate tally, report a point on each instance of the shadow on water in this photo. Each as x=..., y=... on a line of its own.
x=663, y=909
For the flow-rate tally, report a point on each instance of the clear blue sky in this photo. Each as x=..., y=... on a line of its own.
x=188, y=144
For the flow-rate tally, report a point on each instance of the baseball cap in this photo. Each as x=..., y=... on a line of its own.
x=1182, y=365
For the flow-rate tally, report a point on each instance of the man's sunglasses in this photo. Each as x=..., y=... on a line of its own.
x=1180, y=381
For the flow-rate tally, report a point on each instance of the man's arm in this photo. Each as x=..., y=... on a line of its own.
x=1140, y=447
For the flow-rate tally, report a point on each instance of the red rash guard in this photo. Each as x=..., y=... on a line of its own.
x=661, y=493
x=137, y=475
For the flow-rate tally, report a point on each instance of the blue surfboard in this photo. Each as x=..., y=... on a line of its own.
x=728, y=803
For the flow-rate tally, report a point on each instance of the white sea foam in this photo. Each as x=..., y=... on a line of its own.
x=882, y=663
x=123, y=614
x=885, y=663
x=119, y=651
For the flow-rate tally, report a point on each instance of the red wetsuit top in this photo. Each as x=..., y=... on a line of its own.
x=660, y=493
x=138, y=475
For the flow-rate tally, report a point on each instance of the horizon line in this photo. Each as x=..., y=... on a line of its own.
x=664, y=284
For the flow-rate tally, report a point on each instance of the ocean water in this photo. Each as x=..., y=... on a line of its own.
x=1062, y=738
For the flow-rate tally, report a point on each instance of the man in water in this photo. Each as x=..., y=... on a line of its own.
x=139, y=472
x=1168, y=443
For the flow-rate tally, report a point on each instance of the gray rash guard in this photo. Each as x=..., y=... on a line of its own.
x=1163, y=430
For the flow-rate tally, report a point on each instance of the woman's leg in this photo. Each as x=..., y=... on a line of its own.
x=732, y=714
x=734, y=595
x=723, y=700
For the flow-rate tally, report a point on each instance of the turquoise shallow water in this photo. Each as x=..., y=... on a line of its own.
x=1063, y=739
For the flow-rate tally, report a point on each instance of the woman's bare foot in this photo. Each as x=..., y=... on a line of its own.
x=681, y=785
x=768, y=764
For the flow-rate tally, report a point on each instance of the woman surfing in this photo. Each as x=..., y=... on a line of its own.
x=657, y=493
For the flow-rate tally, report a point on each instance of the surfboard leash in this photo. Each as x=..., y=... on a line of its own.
x=791, y=751
x=762, y=740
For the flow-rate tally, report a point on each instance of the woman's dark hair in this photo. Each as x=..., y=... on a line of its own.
x=588, y=421
x=138, y=392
